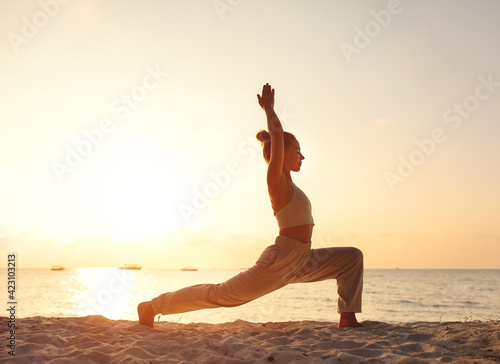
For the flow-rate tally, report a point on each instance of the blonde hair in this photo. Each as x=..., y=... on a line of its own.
x=265, y=138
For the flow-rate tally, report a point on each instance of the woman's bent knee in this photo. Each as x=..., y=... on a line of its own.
x=356, y=253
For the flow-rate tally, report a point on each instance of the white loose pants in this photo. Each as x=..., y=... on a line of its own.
x=286, y=261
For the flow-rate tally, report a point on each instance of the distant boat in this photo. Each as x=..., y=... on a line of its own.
x=130, y=267
x=57, y=267
x=188, y=269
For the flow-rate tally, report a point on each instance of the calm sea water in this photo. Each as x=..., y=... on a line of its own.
x=389, y=295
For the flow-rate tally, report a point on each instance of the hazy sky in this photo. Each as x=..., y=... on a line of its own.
x=128, y=129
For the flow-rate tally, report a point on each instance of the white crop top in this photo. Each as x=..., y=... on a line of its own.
x=297, y=212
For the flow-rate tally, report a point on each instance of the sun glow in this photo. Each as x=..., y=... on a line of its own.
x=126, y=195
x=105, y=291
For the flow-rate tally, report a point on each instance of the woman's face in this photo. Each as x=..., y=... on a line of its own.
x=293, y=157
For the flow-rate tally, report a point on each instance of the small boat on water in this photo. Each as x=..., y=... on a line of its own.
x=189, y=269
x=57, y=267
x=130, y=267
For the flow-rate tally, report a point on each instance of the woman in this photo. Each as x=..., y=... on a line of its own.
x=290, y=259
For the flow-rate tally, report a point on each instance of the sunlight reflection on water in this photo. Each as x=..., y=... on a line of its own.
x=104, y=291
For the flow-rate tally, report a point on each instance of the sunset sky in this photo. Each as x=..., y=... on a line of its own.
x=128, y=129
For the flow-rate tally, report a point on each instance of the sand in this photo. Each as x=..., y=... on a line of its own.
x=96, y=339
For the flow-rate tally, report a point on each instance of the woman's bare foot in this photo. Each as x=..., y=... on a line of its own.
x=348, y=319
x=146, y=314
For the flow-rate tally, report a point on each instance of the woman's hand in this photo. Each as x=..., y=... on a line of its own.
x=266, y=101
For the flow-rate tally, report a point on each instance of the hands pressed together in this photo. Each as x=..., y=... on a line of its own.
x=267, y=99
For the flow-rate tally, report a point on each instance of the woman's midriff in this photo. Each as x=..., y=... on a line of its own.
x=302, y=232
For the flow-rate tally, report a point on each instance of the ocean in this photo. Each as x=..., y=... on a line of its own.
x=390, y=296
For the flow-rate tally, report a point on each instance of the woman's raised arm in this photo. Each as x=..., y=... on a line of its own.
x=275, y=167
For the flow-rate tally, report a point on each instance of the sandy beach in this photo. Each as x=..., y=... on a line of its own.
x=96, y=339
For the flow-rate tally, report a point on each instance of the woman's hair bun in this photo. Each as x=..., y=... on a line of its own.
x=263, y=136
